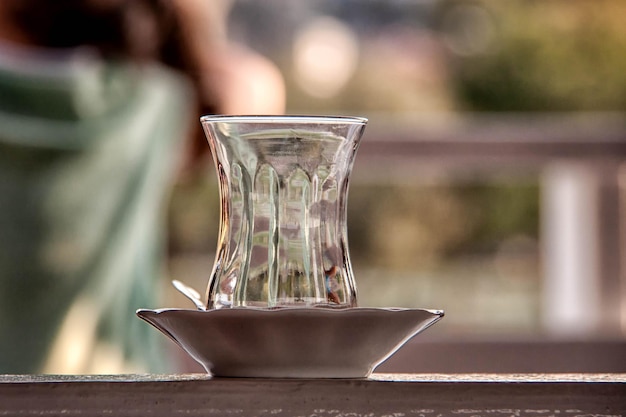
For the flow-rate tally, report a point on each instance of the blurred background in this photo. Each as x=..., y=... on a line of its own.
x=490, y=180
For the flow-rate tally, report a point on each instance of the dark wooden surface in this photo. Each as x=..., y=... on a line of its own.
x=432, y=352
x=537, y=395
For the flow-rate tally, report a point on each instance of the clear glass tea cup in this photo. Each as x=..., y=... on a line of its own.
x=283, y=184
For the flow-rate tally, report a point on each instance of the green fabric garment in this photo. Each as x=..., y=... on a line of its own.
x=87, y=152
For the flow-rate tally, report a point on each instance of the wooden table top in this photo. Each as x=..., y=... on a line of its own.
x=494, y=395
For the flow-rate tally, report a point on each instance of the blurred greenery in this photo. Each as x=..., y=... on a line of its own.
x=403, y=227
x=556, y=55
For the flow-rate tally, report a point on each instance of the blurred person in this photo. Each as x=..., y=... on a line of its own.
x=97, y=99
x=227, y=76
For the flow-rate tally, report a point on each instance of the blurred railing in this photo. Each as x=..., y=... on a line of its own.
x=579, y=159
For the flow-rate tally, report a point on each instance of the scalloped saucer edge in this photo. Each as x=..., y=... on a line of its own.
x=291, y=342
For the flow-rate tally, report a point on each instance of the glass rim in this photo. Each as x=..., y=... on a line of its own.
x=279, y=119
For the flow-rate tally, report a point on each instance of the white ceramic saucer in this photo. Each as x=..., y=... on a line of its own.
x=291, y=342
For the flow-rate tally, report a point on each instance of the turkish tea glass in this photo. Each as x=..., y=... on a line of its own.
x=283, y=183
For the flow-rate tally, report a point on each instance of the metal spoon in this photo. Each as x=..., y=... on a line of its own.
x=190, y=293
